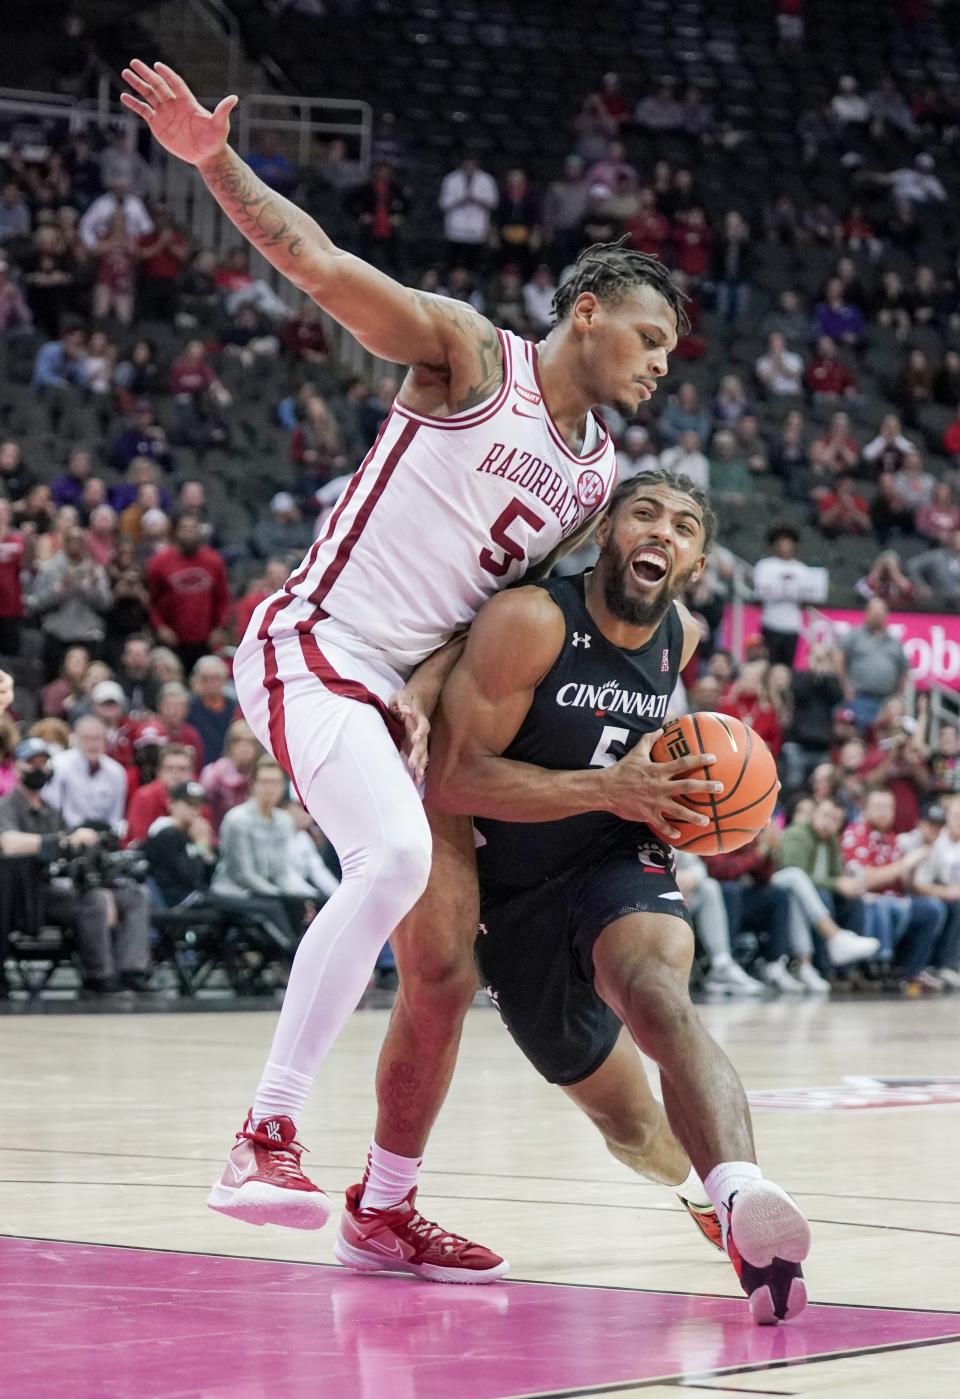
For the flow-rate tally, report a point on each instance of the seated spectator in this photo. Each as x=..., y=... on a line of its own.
x=906, y=925
x=914, y=484
x=9, y=738
x=198, y=294
x=115, y=278
x=938, y=877
x=827, y=379
x=859, y=233
x=887, y=451
x=849, y=105
x=189, y=593
x=102, y=531
x=165, y=666
x=538, y=294
x=134, y=677
x=15, y=480
x=939, y=519
x=247, y=339
x=303, y=336
x=16, y=557
x=691, y=241
x=173, y=701
x=947, y=380
x=129, y=612
x=780, y=370
x=951, y=440
x=612, y=99
x=153, y=799
x=67, y=489
x=199, y=397
x=683, y=413
x=814, y=847
x=16, y=318
x=751, y=443
x=753, y=903
x=704, y=898
x=789, y=321
x=747, y=699
x=119, y=201
x=281, y=532
x=209, y=712
x=842, y=510
x=729, y=472
x=255, y=840
x=179, y=848
x=924, y=298
x=60, y=695
x=887, y=581
x=88, y=787
x=688, y=459
x=731, y=403
x=123, y=495
x=914, y=386
x=635, y=456
x=506, y=299
x=889, y=512
x=315, y=446
x=275, y=574
x=944, y=761
x=891, y=306
x=648, y=229
x=240, y=288
x=837, y=319
x=896, y=758
x=227, y=780
x=142, y=439
x=937, y=571
x=916, y=184
x=660, y=110
x=162, y=256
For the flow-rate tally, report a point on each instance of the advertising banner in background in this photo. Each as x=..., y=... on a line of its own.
x=930, y=639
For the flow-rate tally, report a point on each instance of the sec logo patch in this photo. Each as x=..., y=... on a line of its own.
x=590, y=488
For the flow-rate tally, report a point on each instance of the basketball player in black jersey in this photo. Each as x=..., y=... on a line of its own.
x=562, y=687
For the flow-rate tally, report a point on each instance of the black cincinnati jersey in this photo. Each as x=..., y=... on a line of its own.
x=594, y=705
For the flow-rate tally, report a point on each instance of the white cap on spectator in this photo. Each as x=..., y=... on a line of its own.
x=108, y=692
x=282, y=502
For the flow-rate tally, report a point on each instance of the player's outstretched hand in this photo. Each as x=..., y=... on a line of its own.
x=642, y=790
x=174, y=115
x=6, y=691
x=407, y=706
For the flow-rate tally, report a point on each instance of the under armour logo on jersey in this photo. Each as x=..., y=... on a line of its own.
x=665, y=661
x=272, y=1130
x=582, y=639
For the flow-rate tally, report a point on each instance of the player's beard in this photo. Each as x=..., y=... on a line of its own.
x=636, y=611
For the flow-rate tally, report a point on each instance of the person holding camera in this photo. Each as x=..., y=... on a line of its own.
x=111, y=925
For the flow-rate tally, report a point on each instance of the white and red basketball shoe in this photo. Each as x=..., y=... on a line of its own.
x=399, y=1239
x=767, y=1240
x=262, y=1182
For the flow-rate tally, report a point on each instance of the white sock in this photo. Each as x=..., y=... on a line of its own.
x=389, y=1178
x=726, y=1178
x=692, y=1189
x=281, y=1092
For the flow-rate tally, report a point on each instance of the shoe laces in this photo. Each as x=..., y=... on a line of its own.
x=286, y=1155
x=430, y=1235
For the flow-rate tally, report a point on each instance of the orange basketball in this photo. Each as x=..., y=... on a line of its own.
x=744, y=765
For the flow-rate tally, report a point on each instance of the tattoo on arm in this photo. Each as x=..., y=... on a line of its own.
x=267, y=219
x=482, y=339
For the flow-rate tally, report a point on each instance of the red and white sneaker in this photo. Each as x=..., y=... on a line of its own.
x=707, y=1221
x=399, y=1239
x=767, y=1240
x=262, y=1182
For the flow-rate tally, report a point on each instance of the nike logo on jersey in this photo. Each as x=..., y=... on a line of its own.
x=521, y=414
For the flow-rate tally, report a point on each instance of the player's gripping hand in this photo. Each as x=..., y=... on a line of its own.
x=409, y=709
x=642, y=790
x=174, y=115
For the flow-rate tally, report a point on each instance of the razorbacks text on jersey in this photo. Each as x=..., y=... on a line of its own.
x=594, y=705
x=443, y=513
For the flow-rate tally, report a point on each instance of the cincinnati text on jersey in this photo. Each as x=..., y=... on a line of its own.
x=611, y=699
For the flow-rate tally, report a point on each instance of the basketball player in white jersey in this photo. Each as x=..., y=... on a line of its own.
x=489, y=464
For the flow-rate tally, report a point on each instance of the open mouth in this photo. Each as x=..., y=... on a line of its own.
x=649, y=567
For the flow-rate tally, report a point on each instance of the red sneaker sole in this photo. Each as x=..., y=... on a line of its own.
x=359, y=1261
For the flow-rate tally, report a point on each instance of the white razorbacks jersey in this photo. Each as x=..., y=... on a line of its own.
x=444, y=512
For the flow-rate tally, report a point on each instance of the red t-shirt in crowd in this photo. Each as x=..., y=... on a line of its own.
x=165, y=265
x=191, y=379
x=188, y=592
x=863, y=845
x=146, y=804
x=649, y=233
x=12, y=549
x=760, y=717
x=828, y=376
x=852, y=507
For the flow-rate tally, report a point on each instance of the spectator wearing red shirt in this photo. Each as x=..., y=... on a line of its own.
x=189, y=594
x=190, y=375
x=173, y=701
x=840, y=452
x=939, y=519
x=897, y=760
x=826, y=378
x=951, y=440
x=842, y=511
x=906, y=925
x=163, y=255
x=14, y=558
x=274, y=576
x=109, y=704
x=648, y=229
x=692, y=241
x=303, y=337
x=747, y=700
x=152, y=801
x=233, y=275
x=612, y=99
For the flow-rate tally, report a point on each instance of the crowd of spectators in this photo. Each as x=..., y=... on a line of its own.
x=120, y=586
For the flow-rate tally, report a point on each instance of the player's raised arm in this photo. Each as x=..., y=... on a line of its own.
x=392, y=321
x=511, y=646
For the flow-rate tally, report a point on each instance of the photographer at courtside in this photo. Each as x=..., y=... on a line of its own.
x=111, y=925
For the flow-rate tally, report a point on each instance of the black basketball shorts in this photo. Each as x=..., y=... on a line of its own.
x=535, y=946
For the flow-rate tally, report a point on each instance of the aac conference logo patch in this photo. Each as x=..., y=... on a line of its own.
x=858, y=1092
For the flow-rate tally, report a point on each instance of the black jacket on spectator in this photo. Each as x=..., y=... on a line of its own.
x=814, y=699
x=177, y=866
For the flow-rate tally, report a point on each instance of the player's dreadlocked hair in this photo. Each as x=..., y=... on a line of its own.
x=609, y=270
x=674, y=481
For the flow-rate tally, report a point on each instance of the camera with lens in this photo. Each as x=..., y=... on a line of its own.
x=100, y=866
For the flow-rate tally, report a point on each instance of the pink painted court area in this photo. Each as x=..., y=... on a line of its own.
x=93, y=1322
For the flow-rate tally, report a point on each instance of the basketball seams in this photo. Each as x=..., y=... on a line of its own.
x=712, y=795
